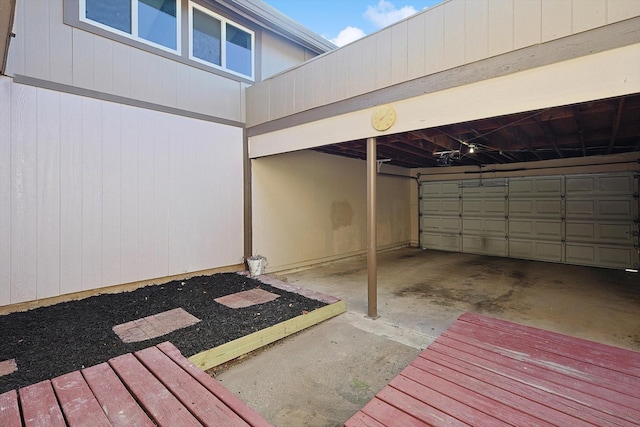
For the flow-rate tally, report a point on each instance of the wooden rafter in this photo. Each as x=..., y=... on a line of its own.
x=549, y=134
x=616, y=124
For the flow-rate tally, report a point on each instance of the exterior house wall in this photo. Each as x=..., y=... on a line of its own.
x=310, y=207
x=278, y=54
x=118, y=163
x=452, y=34
x=98, y=194
x=47, y=49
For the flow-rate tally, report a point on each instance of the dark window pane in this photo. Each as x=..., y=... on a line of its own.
x=206, y=37
x=113, y=13
x=157, y=22
x=239, y=55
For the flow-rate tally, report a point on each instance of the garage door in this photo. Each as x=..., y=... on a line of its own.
x=575, y=219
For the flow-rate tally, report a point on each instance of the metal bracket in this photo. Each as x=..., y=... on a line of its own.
x=379, y=163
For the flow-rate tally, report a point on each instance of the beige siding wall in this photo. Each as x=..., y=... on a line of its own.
x=454, y=33
x=47, y=49
x=310, y=207
x=279, y=54
x=96, y=194
x=577, y=80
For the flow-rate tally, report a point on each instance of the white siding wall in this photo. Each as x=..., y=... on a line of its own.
x=97, y=194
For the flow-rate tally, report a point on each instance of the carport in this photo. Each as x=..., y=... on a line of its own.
x=520, y=128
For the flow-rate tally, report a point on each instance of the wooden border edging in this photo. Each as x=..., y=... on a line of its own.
x=211, y=358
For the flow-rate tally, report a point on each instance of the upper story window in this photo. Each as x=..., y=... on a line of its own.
x=155, y=22
x=216, y=41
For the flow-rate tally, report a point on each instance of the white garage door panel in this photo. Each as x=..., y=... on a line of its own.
x=529, y=249
x=440, y=189
x=576, y=219
x=449, y=206
x=440, y=241
x=535, y=208
x=600, y=256
x=535, y=229
x=441, y=224
x=484, y=189
x=615, y=233
x=535, y=187
x=484, y=226
x=600, y=185
x=603, y=208
x=479, y=207
x=440, y=218
x=484, y=245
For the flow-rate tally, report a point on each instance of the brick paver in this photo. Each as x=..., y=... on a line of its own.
x=154, y=326
x=8, y=366
x=247, y=298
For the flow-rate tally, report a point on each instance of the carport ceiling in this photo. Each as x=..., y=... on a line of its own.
x=601, y=127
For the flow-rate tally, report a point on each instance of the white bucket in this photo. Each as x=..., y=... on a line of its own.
x=256, y=265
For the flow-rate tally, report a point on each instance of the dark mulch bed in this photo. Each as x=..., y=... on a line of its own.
x=50, y=341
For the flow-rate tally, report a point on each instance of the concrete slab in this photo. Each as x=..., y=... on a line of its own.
x=319, y=377
x=323, y=375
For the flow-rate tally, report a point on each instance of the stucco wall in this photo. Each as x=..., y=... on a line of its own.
x=310, y=207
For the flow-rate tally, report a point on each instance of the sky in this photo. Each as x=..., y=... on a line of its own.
x=344, y=21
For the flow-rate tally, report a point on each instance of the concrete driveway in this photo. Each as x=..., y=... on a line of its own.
x=323, y=375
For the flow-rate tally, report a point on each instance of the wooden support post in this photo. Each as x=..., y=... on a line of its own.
x=372, y=236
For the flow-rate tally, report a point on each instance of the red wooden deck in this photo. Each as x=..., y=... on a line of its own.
x=154, y=386
x=487, y=372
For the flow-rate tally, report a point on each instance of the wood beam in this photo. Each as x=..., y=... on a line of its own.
x=549, y=134
x=616, y=124
x=519, y=136
x=578, y=118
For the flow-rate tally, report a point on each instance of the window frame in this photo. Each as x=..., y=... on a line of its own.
x=134, y=26
x=223, y=36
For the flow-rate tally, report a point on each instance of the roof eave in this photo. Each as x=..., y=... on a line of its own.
x=276, y=21
x=7, y=10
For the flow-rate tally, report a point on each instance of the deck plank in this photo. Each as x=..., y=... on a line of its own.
x=156, y=386
x=414, y=408
x=588, y=394
x=9, y=409
x=552, y=408
x=560, y=356
x=589, y=351
x=451, y=403
x=114, y=398
x=360, y=419
x=40, y=406
x=467, y=404
x=158, y=402
x=481, y=368
x=390, y=415
x=79, y=405
x=229, y=399
x=209, y=410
